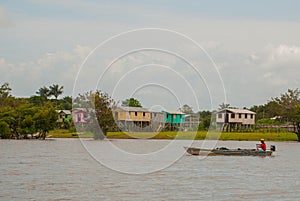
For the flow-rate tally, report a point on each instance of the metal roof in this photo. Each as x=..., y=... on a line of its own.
x=131, y=109
x=64, y=111
x=237, y=111
x=173, y=112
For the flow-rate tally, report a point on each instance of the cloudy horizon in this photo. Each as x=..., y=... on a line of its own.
x=254, y=47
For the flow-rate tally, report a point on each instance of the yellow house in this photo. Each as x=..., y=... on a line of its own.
x=132, y=118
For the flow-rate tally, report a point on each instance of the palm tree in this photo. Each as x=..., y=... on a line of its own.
x=56, y=90
x=44, y=92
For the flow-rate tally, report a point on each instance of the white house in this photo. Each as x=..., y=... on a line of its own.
x=235, y=119
x=235, y=116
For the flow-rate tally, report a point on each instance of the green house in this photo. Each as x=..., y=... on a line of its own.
x=64, y=116
x=174, y=117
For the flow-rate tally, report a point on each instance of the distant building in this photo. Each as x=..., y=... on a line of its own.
x=142, y=119
x=80, y=116
x=64, y=116
x=191, y=122
x=173, y=119
x=132, y=118
x=235, y=119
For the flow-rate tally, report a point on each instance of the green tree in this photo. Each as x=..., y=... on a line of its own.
x=205, y=120
x=131, y=103
x=37, y=100
x=56, y=90
x=4, y=94
x=4, y=130
x=186, y=109
x=289, y=108
x=99, y=106
x=224, y=105
x=66, y=103
x=44, y=92
x=45, y=120
x=5, y=91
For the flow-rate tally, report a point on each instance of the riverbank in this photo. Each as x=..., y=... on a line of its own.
x=200, y=135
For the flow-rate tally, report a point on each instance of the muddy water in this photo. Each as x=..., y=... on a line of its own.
x=62, y=169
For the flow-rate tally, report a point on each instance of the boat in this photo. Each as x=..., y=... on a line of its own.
x=223, y=151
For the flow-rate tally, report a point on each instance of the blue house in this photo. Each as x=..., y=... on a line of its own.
x=173, y=119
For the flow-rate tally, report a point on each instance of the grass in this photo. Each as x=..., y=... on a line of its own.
x=200, y=135
x=211, y=135
x=64, y=133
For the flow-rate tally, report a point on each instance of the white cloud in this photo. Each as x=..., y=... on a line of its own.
x=55, y=67
x=4, y=18
x=252, y=70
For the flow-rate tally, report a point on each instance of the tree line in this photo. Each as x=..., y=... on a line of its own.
x=20, y=117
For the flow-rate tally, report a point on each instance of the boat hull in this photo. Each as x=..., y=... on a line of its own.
x=227, y=152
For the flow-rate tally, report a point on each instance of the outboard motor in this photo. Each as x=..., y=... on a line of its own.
x=272, y=148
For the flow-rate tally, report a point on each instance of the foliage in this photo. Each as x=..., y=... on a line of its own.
x=205, y=120
x=289, y=108
x=186, y=109
x=4, y=130
x=131, y=103
x=20, y=118
x=45, y=120
x=268, y=110
x=224, y=105
x=5, y=91
x=44, y=92
x=65, y=103
x=266, y=121
x=37, y=100
x=98, y=105
x=56, y=90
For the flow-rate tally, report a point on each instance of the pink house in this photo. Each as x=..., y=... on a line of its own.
x=80, y=115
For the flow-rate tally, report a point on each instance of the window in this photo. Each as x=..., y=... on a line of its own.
x=174, y=116
x=135, y=113
x=220, y=115
x=251, y=116
x=167, y=116
x=232, y=116
x=245, y=116
x=144, y=114
x=240, y=116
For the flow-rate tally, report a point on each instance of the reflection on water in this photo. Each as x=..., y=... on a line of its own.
x=62, y=169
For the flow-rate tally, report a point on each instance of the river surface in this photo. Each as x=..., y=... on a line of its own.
x=66, y=169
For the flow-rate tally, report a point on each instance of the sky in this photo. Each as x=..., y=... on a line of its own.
x=163, y=53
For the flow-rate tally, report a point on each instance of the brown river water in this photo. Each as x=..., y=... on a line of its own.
x=70, y=169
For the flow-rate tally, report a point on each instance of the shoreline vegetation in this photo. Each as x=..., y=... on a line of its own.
x=169, y=135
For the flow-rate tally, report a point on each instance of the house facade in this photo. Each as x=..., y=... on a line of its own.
x=132, y=118
x=173, y=120
x=64, y=117
x=141, y=119
x=235, y=119
x=191, y=122
x=80, y=116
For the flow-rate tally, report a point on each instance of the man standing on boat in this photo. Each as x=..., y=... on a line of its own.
x=262, y=146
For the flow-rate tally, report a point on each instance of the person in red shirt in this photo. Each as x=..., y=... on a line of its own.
x=263, y=146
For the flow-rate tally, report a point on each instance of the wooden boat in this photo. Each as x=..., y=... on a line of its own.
x=229, y=152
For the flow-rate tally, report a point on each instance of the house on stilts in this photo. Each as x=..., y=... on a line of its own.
x=230, y=119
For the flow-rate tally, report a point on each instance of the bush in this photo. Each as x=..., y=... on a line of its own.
x=4, y=130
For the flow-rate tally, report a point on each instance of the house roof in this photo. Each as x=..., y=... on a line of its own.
x=173, y=112
x=64, y=111
x=131, y=109
x=237, y=111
